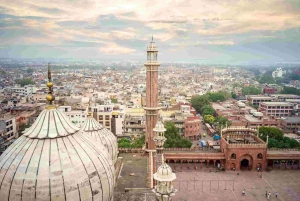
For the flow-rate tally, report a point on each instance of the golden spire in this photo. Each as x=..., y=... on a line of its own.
x=50, y=96
x=89, y=110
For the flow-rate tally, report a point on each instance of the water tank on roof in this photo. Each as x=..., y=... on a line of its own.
x=240, y=104
x=258, y=114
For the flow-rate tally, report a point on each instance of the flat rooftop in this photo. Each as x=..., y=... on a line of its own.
x=133, y=163
x=277, y=103
x=291, y=119
x=261, y=97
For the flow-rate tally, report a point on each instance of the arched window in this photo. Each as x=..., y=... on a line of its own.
x=233, y=156
x=259, y=156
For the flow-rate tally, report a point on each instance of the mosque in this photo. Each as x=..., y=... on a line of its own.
x=56, y=160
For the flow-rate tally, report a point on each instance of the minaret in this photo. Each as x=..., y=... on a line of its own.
x=151, y=94
x=151, y=108
x=159, y=140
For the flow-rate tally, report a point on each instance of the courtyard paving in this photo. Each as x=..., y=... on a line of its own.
x=204, y=185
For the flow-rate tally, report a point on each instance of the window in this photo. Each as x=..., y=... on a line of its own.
x=233, y=156
x=72, y=115
x=106, y=123
x=100, y=117
x=106, y=117
x=259, y=156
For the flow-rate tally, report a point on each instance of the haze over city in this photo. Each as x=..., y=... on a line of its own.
x=206, y=31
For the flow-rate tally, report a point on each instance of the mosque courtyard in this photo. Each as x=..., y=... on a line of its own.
x=209, y=185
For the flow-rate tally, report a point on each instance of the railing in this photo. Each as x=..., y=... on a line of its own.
x=237, y=145
x=282, y=149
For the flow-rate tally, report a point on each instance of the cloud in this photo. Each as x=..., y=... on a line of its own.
x=113, y=49
x=220, y=42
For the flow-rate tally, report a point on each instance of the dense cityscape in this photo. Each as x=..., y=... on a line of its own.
x=149, y=101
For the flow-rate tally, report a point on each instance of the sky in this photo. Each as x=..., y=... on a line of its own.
x=202, y=31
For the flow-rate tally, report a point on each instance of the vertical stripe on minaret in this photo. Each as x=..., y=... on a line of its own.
x=151, y=93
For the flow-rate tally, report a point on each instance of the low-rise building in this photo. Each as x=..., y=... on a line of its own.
x=277, y=109
x=255, y=100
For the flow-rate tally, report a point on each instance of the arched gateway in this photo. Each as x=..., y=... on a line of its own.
x=246, y=162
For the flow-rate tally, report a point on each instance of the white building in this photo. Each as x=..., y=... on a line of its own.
x=77, y=117
x=278, y=73
x=24, y=91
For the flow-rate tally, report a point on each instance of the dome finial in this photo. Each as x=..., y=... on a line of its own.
x=89, y=109
x=50, y=96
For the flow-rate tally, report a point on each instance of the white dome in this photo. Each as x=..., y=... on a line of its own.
x=164, y=173
x=101, y=135
x=52, y=161
x=159, y=127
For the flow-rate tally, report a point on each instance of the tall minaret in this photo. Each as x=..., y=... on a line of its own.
x=151, y=108
x=151, y=94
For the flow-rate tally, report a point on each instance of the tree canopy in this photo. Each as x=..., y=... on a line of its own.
x=29, y=70
x=199, y=101
x=251, y=90
x=114, y=100
x=276, y=138
x=290, y=90
x=222, y=121
x=174, y=139
x=214, y=97
x=209, y=119
x=25, y=81
x=266, y=79
x=207, y=110
x=127, y=143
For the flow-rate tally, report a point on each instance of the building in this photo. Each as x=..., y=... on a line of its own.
x=192, y=127
x=290, y=123
x=283, y=97
x=77, y=117
x=255, y=100
x=103, y=114
x=269, y=90
x=8, y=131
x=117, y=123
x=278, y=73
x=277, y=109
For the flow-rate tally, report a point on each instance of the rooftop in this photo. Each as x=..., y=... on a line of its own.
x=277, y=103
x=291, y=119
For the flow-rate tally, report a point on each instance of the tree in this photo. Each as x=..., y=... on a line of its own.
x=290, y=90
x=251, y=90
x=233, y=95
x=226, y=94
x=214, y=97
x=25, y=81
x=272, y=132
x=209, y=119
x=223, y=121
x=124, y=143
x=254, y=106
x=29, y=70
x=114, y=100
x=174, y=139
x=199, y=101
x=207, y=110
x=266, y=79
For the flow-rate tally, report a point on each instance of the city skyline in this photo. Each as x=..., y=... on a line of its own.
x=205, y=32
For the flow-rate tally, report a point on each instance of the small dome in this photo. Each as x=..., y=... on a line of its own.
x=164, y=173
x=52, y=161
x=159, y=127
x=102, y=135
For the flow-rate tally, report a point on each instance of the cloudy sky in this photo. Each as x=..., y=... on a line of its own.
x=205, y=31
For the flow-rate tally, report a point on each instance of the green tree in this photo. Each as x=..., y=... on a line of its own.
x=174, y=139
x=223, y=121
x=272, y=132
x=290, y=90
x=214, y=97
x=114, y=100
x=226, y=94
x=254, y=106
x=233, y=95
x=251, y=90
x=207, y=110
x=124, y=143
x=273, y=143
x=29, y=70
x=209, y=119
x=266, y=79
x=24, y=81
x=199, y=101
